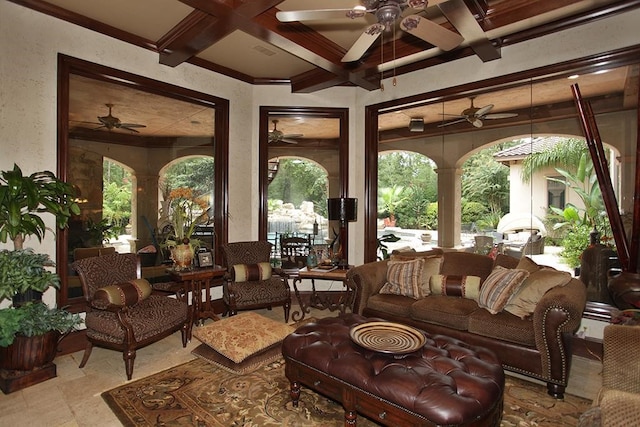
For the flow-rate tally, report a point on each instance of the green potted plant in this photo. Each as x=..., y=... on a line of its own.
x=30, y=330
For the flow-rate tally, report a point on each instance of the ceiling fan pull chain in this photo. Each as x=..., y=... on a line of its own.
x=395, y=83
x=381, y=61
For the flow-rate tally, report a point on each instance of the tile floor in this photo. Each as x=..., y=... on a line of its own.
x=73, y=397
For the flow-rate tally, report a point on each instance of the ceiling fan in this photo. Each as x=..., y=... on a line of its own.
x=387, y=13
x=475, y=115
x=276, y=135
x=110, y=122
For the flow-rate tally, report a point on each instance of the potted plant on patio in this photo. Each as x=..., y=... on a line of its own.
x=29, y=329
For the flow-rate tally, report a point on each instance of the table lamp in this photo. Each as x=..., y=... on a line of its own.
x=345, y=210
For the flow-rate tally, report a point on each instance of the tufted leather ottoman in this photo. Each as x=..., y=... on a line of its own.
x=447, y=382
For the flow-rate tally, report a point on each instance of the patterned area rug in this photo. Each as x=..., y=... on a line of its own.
x=198, y=393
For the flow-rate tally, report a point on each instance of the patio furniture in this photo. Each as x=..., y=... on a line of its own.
x=533, y=246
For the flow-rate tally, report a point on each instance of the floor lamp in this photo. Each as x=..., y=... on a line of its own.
x=345, y=210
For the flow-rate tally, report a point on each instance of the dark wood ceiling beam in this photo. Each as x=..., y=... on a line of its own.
x=315, y=80
x=210, y=22
x=306, y=44
x=191, y=36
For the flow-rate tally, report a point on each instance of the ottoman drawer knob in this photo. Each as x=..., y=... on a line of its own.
x=382, y=415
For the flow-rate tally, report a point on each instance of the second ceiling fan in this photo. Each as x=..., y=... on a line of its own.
x=386, y=12
x=276, y=135
x=476, y=115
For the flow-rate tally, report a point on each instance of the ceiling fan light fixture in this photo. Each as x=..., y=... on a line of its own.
x=387, y=15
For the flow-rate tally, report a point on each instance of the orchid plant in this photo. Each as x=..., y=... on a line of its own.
x=182, y=212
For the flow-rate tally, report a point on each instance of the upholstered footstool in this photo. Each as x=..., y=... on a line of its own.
x=444, y=382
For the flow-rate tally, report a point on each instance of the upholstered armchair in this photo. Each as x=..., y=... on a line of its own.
x=122, y=314
x=533, y=246
x=618, y=403
x=250, y=282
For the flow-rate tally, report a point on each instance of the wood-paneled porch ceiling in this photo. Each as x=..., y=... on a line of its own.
x=244, y=40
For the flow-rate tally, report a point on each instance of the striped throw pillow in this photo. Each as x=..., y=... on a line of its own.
x=499, y=287
x=404, y=278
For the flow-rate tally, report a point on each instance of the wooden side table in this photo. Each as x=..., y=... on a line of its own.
x=317, y=300
x=196, y=281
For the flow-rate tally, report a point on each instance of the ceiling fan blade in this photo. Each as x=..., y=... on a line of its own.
x=431, y=32
x=129, y=129
x=484, y=110
x=315, y=15
x=363, y=43
x=453, y=122
x=293, y=135
x=500, y=116
x=131, y=125
x=288, y=141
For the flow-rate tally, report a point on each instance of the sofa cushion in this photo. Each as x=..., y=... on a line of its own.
x=452, y=312
x=404, y=278
x=397, y=305
x=455, y=286
x=466, y=264
x=503, y=326
x=499, y=287
x=533, y=289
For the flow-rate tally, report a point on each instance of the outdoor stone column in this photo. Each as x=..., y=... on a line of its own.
x=449, y=212
x=144, y=201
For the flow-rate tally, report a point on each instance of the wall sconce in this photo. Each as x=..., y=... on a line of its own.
x=345, y=210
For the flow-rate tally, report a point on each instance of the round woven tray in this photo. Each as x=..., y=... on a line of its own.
x=387, y=337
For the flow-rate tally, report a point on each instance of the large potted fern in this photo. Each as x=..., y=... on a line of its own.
x=29, y=329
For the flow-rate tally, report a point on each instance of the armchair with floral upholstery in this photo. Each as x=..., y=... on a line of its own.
x=618, y=402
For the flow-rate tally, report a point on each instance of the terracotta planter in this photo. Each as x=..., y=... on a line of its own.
x=182, y=256
x=28, y=353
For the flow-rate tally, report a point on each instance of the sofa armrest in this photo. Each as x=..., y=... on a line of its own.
x=366, y=280
x=556, y=318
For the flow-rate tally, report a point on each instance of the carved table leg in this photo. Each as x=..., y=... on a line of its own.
x=295, y=393
x=350, y=418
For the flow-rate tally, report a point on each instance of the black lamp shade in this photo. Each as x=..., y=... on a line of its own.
x=342, y=209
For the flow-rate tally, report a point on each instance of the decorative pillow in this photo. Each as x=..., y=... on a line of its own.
x=456, y=286
x=404, y=278
x=243, y=335
x=251, y=272
x=533, y=289
x=432, y=263
x=499, y=287
x=124, y=294
x=528, y=264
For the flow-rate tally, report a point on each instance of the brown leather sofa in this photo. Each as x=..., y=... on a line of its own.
x=538, y=346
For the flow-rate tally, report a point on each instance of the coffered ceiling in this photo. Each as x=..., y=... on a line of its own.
x=247, y=41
